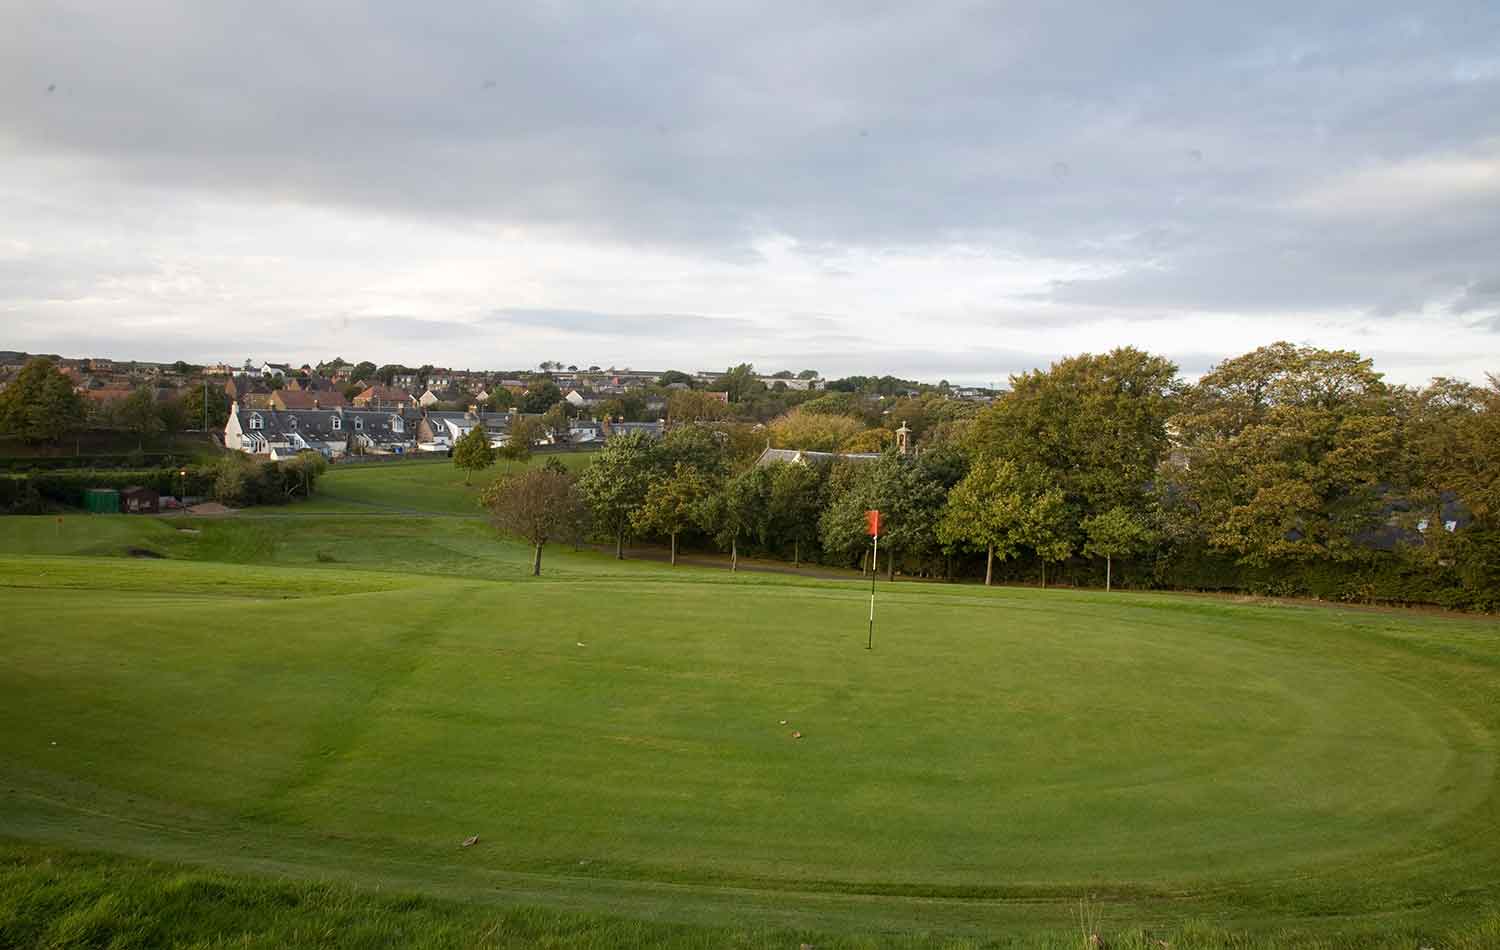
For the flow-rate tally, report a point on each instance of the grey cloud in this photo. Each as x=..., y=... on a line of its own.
x=1164, y=140
x=596, y=323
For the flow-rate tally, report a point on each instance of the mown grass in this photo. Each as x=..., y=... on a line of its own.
x=55, y=898
x=421, y=486
x=1213, y=773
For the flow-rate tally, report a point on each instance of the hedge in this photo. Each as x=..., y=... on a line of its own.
x=20, y=492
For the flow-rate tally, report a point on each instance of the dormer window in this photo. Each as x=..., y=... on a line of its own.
x=359, y=423
x=337, y=423
x=255, y=420
x=291, y=422
x=397, y=425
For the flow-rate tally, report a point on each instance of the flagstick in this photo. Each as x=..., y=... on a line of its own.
x=870, y=645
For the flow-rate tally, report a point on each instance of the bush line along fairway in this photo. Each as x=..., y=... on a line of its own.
x=613, y=733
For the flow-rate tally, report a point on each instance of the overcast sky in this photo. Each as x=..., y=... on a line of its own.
x=937, y=190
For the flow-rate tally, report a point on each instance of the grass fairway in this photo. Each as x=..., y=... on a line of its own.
x=613, y=733
x=421, y=485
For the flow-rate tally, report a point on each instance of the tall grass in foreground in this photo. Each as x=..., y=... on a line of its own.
x=55, y=898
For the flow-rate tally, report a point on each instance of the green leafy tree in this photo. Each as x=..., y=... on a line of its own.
x=616, y=481
x=541, y=394
x=736, y=508
x=700, y=447
x=302, y=472
x=1115, y=533
x=40, y=405
x=174, y=417
x=138, y=413
x=1097, y=423
x=794, y=503
x=193, y=399
x=472, y=451
x=908, y=496
x=1047, y=529
x=525, y=432
x=670, y=503
x=740, y=382
x=555, y=421
x=537, y=505
x=991, y=510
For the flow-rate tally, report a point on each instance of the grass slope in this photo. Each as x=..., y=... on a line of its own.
x=425, y=486
x=340, y=691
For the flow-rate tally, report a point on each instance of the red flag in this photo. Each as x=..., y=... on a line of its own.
x=872, y=521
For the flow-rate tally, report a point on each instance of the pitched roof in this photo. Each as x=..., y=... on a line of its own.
x=798, y=455
x=317, y=425
x=307, y=399
x=382, y=394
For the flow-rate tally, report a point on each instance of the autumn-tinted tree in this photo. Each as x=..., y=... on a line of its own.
x=537, y=505
x=813, y=432
x=472, y=451
x=40, y=405
x=687, y=405
x=615, y=482
x=670, y=504
x=1288, y=453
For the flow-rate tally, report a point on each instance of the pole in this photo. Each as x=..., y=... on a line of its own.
x=870, y=644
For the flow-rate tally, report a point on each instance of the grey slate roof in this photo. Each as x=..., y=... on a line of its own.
x=317, y=425
x=799, y=456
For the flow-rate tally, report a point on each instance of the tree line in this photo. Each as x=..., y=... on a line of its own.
x=1287, y=470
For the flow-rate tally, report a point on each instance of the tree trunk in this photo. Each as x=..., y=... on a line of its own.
x=536, y=562
x=674, y=548
x=620, y=545
x=890, y=566
x=864, y=564
x=734, y=554
x=989, y=562
x=1109, y=570
x=467, y=475
x=796, y=555
x=1044, y=573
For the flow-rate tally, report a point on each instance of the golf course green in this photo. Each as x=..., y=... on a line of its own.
x=330, y=697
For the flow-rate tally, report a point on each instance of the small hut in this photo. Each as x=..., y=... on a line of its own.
x=140, y=500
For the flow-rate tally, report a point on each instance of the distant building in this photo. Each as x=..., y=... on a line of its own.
x=383, y=397
x=330, y=432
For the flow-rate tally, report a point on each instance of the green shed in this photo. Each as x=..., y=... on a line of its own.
x=102, y=501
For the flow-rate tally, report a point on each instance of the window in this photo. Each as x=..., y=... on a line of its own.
x=359, y=424
x=291, y=422
x=397, y=425
x=337, y=423
x=255, y=421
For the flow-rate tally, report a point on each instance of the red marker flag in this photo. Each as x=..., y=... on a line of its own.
x=872, y=520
